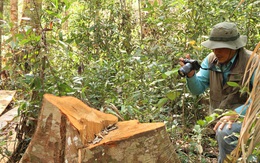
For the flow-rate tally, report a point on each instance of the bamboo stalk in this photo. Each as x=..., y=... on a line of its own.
x=248, y=131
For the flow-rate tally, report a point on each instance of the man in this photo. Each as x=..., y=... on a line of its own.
x=227, y=63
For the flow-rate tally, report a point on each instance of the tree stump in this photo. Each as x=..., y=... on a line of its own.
x=70, y=131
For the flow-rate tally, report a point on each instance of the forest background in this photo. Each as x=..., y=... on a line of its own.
x=120, y=57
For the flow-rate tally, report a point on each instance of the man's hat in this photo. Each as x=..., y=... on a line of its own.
x=225, y=35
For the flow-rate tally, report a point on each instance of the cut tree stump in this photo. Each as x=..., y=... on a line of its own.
x=69, y=131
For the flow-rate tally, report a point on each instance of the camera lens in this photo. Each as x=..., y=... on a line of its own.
x=183, y=71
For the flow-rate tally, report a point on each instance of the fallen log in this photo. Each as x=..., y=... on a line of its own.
x=70, y=131
x=8, y=121
x=5, y=99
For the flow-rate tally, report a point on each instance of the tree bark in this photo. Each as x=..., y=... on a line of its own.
x=1, y=18
x=64, y=125
x=68, y=129
x=14, y=18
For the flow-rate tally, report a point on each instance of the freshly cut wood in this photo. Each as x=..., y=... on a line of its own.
x=68, y=130
x=88, y=121
x=5, y=99
x=134, y=142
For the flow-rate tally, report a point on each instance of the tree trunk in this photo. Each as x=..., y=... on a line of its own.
x=1, y=18
x=70, y=131
x=14, y=18
x=31, y=14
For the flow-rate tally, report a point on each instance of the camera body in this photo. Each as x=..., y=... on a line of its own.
x=190, y=65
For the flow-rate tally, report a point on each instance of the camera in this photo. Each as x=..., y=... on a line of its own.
x=190, y=65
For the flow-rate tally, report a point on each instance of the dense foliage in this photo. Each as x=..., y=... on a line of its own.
x=122, y=57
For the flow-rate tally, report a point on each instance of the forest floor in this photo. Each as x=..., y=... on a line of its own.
x=188, y=154
x=200, y=147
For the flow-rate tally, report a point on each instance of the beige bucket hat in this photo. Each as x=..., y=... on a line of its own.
x=225, y=35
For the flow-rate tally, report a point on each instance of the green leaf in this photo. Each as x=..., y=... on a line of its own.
x=169, y=73
x=156, y=81
x=201, y=122
x=208, y=119
x=197, y=128
x=233, y=84
x=229, y=113
x=173, y=95
x=65, y=87
x=137, y=111
x=36, y=84
x=162, y=102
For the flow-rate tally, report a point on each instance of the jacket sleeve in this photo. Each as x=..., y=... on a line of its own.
x=200, y=81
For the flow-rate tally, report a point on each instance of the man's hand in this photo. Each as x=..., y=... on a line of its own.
x=190, y=74
x=230, y=119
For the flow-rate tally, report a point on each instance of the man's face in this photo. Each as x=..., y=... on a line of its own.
x=224, y=55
